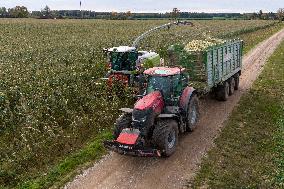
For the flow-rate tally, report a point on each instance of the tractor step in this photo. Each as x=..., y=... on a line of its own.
x=131, y=149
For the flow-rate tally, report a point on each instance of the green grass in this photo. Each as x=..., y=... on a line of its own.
x=249, y=151
x=71, y=166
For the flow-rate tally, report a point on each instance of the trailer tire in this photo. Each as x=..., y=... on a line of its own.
x=232, y=86
x=123, y=122
x=193, y=113
x=223, y=91
x=237, y=81
x=165, y=136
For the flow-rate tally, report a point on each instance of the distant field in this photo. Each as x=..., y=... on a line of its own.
x=49, y=103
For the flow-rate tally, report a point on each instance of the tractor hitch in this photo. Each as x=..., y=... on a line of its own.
x=131, y=150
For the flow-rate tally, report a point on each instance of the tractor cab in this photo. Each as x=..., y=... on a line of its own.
x=169, y=81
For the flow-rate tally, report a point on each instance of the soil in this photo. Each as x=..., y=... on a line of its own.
x=117, y=171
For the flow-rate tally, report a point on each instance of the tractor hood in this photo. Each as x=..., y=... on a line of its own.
x=153, y=100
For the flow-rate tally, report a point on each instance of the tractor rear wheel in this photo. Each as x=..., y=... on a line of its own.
x=123, y=122
x=232, y=86
x=165, y=136
x=193, y=113
x=223, y=91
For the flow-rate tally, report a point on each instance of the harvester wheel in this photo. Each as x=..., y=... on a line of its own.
x=237, y=81
x=124, y=121
x=232, y=86
x=165, y=136
x=193, y=113
x=222, y=92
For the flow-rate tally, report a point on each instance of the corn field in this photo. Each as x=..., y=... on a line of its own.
x=50, y=104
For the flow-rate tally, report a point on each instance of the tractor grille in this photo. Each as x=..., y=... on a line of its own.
x=141, y=119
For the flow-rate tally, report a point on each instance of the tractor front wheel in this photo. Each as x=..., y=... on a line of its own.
x=123, y=122
x=165, y=136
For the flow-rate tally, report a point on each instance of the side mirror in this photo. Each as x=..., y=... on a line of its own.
x=105, y=50
x=139, y=96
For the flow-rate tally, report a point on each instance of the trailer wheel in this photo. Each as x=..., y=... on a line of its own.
x=124, y=121
x=165, y=136
x=223, y=91
x=237, y=81
x=193, y=113
x=232, y=86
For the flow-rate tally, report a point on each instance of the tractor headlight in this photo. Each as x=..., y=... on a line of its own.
x=141, y=119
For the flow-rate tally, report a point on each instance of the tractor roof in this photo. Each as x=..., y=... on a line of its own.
x=163, y=71
x=122, y=49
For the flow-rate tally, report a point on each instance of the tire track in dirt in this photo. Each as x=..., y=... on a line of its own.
x=116, y=171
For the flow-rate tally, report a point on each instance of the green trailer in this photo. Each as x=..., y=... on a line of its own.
x=215, y=69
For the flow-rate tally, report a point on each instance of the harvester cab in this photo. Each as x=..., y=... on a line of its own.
x=122, y=58
x=126, y=63
x=168, y=107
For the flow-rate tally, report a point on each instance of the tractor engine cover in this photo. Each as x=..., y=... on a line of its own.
x=145, y=111
x=153, y=100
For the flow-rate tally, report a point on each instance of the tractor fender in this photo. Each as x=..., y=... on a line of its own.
x=184, y=99
x=167, y=116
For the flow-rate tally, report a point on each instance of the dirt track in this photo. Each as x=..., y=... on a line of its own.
x=116, y=171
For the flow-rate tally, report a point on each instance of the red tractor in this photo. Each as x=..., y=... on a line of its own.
x=167, y=108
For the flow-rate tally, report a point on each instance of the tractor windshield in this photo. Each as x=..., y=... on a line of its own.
x=160, y=83
x=171, y=86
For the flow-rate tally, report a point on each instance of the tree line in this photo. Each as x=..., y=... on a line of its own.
x=47, y=13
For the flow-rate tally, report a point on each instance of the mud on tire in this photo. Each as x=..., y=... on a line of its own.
x=193, y=113
x=237, y=81
x=165, y=136
x=124, y=121
x=232, y=85
x=222, y=91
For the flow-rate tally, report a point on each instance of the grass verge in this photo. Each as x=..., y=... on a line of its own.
x=67, y=168
x=71, y=166
x=249, y=151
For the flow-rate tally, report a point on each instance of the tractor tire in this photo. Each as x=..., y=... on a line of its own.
x=232, y=86
x=237, y=81
x=165, y=136
x=192, y=113
x=123, y=122
x=222, y=92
